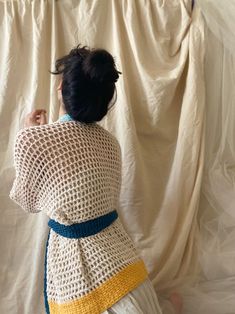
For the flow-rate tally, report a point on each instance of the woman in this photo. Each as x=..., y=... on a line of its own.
x=71, y=169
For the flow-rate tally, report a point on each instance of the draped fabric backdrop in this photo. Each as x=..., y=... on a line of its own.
x=173, y=119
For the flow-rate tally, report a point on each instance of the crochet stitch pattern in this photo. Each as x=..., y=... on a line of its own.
x=72, y=172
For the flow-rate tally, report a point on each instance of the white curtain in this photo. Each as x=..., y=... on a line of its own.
x=173, y=119
x=214, y=291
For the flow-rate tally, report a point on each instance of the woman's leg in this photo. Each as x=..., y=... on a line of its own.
x=177, y=302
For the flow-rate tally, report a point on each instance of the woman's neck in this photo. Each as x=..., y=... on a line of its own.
x=62, y=111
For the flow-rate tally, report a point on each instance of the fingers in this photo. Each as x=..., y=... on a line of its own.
x=36, y=112
x=36, y=117
x=43, y=119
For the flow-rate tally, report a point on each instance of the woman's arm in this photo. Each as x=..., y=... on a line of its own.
x=29, y=172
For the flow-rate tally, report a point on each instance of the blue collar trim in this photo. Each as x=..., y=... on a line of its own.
x=65, y=117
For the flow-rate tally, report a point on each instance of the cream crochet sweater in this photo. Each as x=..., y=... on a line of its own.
x=72, y=172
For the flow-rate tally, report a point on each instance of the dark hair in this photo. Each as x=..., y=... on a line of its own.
x=88, y=83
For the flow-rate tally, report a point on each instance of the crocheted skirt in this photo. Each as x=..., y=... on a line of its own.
x=89, y=275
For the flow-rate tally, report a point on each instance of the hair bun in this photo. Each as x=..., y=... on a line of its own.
x=99, y=66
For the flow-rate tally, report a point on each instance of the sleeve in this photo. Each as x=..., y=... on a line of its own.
x=25, y=190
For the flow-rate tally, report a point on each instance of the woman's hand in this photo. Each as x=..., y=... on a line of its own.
x=36, y=117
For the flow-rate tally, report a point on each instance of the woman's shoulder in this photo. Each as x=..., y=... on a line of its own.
x=43, y=129
x=35, y=135
x=106, y=131
x=109, y=134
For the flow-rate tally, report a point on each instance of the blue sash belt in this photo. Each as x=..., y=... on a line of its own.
x=83, y=229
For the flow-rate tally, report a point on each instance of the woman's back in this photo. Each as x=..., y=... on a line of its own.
x=81, y=171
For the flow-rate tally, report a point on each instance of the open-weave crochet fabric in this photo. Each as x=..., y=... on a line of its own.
x=72, y=172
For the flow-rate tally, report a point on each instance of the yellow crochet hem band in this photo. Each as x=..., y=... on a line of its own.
x=106, y=294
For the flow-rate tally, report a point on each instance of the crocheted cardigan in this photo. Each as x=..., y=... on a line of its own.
x=72, y=172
